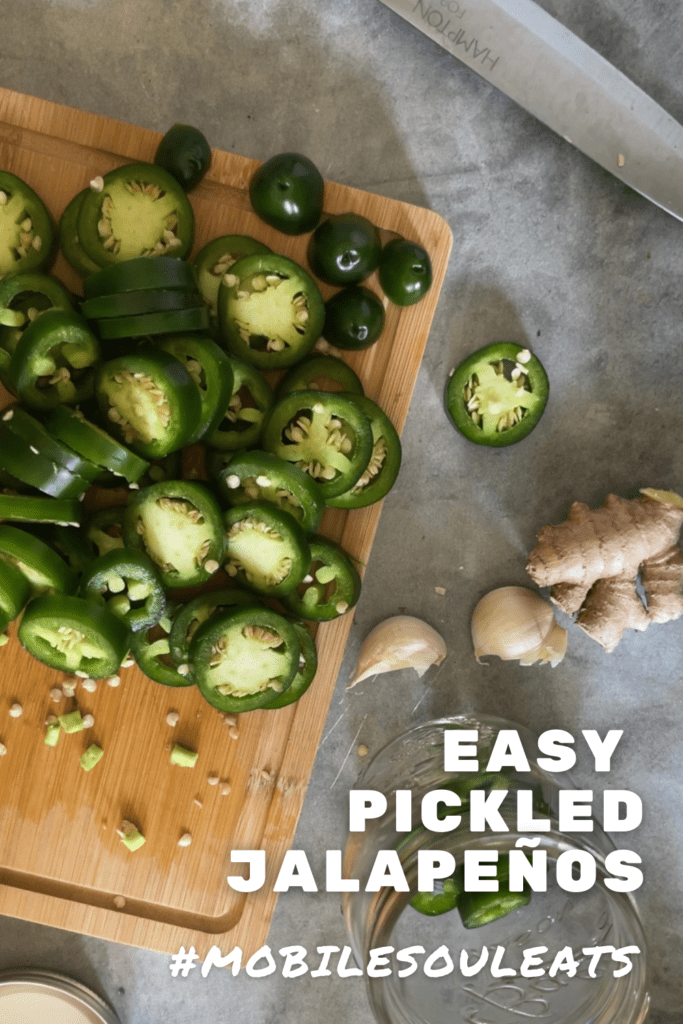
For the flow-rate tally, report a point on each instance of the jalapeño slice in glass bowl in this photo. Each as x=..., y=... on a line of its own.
x=26, y=231
x=496, y=396
x=270, y=311
x=140, y=210
x=324, y=433
x=244, y=658
x=265, y=548
x=179, y=524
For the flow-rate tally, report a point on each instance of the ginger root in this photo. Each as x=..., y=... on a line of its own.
x=593, y=559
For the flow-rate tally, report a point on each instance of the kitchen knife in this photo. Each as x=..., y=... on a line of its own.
x=521, y=50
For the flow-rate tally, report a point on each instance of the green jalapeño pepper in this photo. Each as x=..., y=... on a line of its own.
x=24, y=460
x=330, y=588
x=344, y=249
x=69, y=242
x=140, y=210
x=287, y=193
x=54, y=361
x=127, y=583
x=259, y=476
x=45, y=570
x=23, y=297
x=480, y=908
x=270, y=311
x=324, y=433
x=265, y=548
x=94, y=444
x=244, y=658
x=405, y=271
x=496, y=396
x=252, y=397
x=185, y=153
x=213, y=261
x=151, y=650
x=151, y=401
x=74, y=635
x=26, y=232
x=354, y=318
x=194, y=614
x=211, y=370
x=23, y=425
x=141, y=274
x=380, y=474
x=320, y=373
x=179, y=524
x=308, y=666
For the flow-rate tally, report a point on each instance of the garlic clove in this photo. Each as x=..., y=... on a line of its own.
x=401, y=641
x=517, y=624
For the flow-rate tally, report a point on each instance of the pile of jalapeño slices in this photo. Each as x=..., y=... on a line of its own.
x=157, y=394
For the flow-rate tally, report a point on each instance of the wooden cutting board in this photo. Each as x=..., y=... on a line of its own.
x=61, y=862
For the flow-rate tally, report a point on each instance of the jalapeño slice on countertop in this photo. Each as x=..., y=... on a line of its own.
x=194, y=614
x=270, y=311
x=252, y=397
x=496, y=396
x=324, y=433
x=95, y=444
x=244, y=658
x=43, y=568
x=331, y=586
x=128, y=584
x=73, y=635
x=308, y=666
x=180, y=525
x=211, y=370
x=69, y=242
x=259, y=476
x=265, y=548
x=140, y=210
x=320, y=373
x=54, y=361
x=151, y=401
x=380, y=474
x=141, y=274
x=26, y=232
x=213, y=261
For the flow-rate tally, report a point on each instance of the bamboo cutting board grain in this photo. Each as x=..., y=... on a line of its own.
x=61, y=862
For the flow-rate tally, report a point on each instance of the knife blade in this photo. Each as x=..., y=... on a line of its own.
x=523, y=51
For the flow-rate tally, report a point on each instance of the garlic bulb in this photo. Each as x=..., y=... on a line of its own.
x=517, y=624
x=399, y=642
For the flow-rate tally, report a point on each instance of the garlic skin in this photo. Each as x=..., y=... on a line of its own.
x=399, y=642
x=517, y=624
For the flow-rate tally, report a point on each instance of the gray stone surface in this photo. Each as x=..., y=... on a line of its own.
x=549, y=250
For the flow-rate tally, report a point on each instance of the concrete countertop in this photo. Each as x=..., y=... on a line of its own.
x=550, y=251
